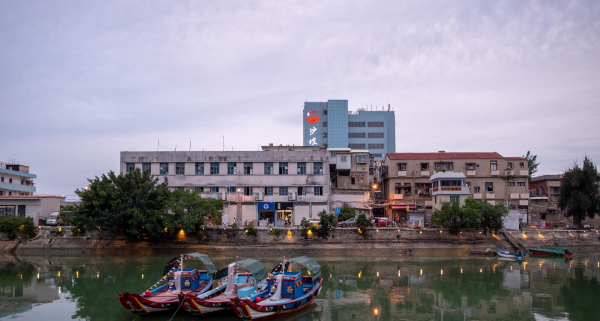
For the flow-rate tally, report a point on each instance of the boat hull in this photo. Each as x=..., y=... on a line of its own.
x=202, y=307
x=544, y=254
x=140, y=305
x=248, y=310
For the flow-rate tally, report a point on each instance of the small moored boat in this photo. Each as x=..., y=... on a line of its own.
x=487, y=252
x=241, y=280
x=564, y=253
x=510, y=255
x=286, y=293
x=165, y=297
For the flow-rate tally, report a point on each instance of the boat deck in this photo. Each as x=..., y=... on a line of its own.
x=165, y=295
x=229, y=296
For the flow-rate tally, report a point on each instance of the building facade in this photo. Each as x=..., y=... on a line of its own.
x=489, y=177
x=278, y=185
x=36, y=207
x=330, y=124
x=544, y=193
x=15, y=179
x=351, y=178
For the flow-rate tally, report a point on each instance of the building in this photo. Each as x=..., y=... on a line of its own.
x=276, y=185
x=407, y=181
x=36, y=207
x=15, y=179
x=544, y=193
x=332, y=125
x=351, y=178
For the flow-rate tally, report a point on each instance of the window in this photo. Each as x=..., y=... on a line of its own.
x=199, y=168
x=214, y=189
x=532, y=193
x=451, y=183
x=301, y=190
x=283, y=190
x=2, y=179
x=269, y=190
x=361, y=177
x=357, y=146
x=511, y=183
x=146, y=167
x=164, y=168
x=318, y=168
x=324, y=135
x=10, y=180
x=248, y=168
x=344, y=158
x=199, y=189
x=231, y=189
x=179, y=168
x=231, y=169
x=402, y=167
x=214, y=168
x=375, y=124
x=357, y=135
x=470, y=166
x=356, y=124
x=424, y=166
x=268, y=168
x=361, y=159
x=542, y=190
x=332, y=154
x=493, y=165
x=376, y=135
x=555, y=190
x=324, y=112
x=376, y=146
x=509, y=165
x=444, y=166
x=324, y=124
x=283, y=168
x=522, y=184
x=318, y=190
x=476, y=189
x=247, y=190
x=454, y=199
x=301, y=168
x=129, y=167
x=1, y=193
x=522, y=165
x=489, y=186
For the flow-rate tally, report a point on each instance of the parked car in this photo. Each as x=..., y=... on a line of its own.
x=54, y=219
x=314, y=221
x=348, y=222
x=383, y=222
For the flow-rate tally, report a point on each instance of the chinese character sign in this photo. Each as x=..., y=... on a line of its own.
x=312, y=128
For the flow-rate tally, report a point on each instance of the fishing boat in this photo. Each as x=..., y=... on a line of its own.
x=286, y=292
x=509, y=254
x=164, y=294
x=563, y=253
x=241, y=279
x=487, y=252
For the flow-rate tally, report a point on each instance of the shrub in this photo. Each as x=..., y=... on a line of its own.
x=275, y=231
x=250, y=230
x=234, y=226
x=13, y=224
x=305, y=226
x=327, y=222
x=362, y=223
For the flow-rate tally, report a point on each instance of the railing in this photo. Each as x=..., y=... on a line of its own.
x=524, y=172
x=424, y=173
x=478, y=196
x=494, y=173
x=490, y=196
x=514, y=196
x=471, y=173
x=525, y=195
x=398, y=196
x=401, y=173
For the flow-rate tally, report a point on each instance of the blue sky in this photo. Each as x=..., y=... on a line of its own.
x=82, y=81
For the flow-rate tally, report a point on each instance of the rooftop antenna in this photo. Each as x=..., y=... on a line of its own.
x=223, y=142
x=175, y=147
x=190, y=145
x=157, y=145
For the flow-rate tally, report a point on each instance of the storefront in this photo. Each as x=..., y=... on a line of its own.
x=400, y=213
x=266, y=213
x=284, y=213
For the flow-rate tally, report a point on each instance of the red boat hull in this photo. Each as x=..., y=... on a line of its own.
x=543, y=254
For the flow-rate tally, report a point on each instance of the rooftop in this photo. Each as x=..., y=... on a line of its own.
x=447, y=176
x=445, y=155
x=546, y=178
x=4, y=197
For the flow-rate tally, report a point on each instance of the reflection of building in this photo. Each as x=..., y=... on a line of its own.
x=489, y=177
x=331, y=124
x=36, y=207
x=275, y=185
x=16, y=180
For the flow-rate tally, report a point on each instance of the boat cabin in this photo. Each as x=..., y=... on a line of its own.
x=294, y=284
x=189, y=279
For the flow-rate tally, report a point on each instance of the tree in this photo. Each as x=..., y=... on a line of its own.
x=326, y=222
x=579, y=195
x=132, y=204
x=346, y=212
x=490, y=216
x=455, y=217
x=531, y=163
x=362, y=222
x=187, y=211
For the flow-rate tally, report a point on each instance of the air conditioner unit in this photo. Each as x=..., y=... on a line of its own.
x=259, y=196
x=292, y=196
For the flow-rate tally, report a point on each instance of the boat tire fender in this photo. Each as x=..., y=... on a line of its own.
x=228, y=306
x=279, y=308
x=296, y=304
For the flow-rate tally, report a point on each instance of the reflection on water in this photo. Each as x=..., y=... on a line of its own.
x=355, y=287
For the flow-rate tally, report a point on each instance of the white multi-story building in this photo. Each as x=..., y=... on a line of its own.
x=15, y=180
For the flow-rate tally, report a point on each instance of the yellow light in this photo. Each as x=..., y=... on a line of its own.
x=330, y=275
x=58, y=274
x=511, y=267
x=309, y=232
x=239, y=190
x=460, y=270
x=246, y=231
x=571, y=234
x=182, y=232
x=442, y=272
x=540, y=235
x=289, y=232
x=480, y=270
x=524, y=236
x=59, y=229
x=38, y=275
x=399, y=273
x=377, y=273
x=441, y=232
x=375, y=186
x=142, y=276
x=98, y=274
x=421, y=272
x=166, y=229
x=420, y=232
x=376, y=311
x=495, y=236
x=77, y=274
x=359, y=274
x=377, y=230
x=21, y=275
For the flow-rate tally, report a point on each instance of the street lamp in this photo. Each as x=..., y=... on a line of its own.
x=86, y=188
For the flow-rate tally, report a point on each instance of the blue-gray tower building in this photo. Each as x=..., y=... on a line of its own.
x=330, y=124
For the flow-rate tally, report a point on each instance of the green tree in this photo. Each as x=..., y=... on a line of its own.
x=188, y=211
x=579, y=195
x=532, y=163
x=346, y=212
x=455, y=217
x=490, y=216
x=362, y=222
x=132, y=204
x=327, y=221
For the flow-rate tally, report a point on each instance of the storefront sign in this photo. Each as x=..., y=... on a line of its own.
x=266, y=206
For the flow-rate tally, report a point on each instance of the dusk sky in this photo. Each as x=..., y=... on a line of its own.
x=81, y=81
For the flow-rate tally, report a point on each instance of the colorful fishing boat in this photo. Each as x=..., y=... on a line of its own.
x=509, y=254
x=563, y=253
x=487, y=252
x=286, y=292
x=241, y=279
x=164, y=297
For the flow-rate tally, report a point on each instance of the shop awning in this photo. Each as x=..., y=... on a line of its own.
x=403, y=207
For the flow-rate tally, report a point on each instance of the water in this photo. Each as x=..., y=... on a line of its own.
x=382, y=286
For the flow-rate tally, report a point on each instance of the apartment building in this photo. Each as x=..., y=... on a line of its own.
x=37, y=207
x=275, y=185
x=544, y=193
x=489, y=177
x=332, y=125
x=351, y=177
x=15, y=179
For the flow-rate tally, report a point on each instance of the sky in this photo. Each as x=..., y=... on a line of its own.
x=81, y=81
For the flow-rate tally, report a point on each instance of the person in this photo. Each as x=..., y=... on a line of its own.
x=376, y=221
x=234, y=220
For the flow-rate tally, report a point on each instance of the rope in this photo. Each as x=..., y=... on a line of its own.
x=179, y=306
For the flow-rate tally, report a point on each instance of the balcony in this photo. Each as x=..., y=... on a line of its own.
x=398, y=196
x=302, y=198
x=428, y=203
x=471, y=173
x=478, y=196
x=524, y=202
x=217, y=196
x=490, y=196
x=425, y=173
x=17, y=187
x=17, y=173
x=492, y=202
x=524, y=195
x=494, y=173
x=401, y=173
x=524, y=172
x=510, y=172
x=247, y=198
x=514, y=196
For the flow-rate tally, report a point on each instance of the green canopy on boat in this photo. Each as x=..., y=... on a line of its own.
x=253, y=266
x=550, y=251
x=310, y=264
x=175, y=261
